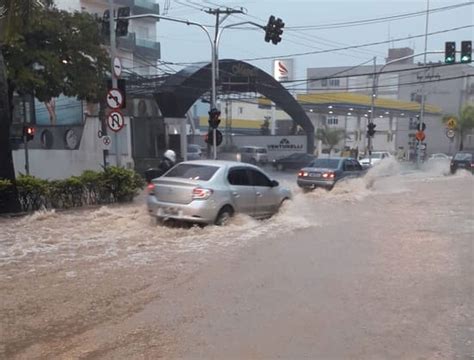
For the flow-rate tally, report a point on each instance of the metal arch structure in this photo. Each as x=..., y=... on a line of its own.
x=181, y=90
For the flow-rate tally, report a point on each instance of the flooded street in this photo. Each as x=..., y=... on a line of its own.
x=379, y=268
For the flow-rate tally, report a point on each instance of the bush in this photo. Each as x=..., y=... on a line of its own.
x=32, y=192
x=114, y=184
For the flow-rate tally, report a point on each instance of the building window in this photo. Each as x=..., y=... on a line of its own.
x=241, y=110
x=332, y=120
x=324, y=82
x=334, y=82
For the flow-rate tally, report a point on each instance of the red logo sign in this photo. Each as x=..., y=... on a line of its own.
x=282, y=69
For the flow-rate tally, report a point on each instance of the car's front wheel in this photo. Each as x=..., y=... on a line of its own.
x=224, y=216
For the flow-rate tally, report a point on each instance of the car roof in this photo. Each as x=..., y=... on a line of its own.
x=220, y=163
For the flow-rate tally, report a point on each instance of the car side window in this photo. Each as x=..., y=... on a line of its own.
x=239, y=176
x=348, y=165
x=357, y=166
x=259, y=179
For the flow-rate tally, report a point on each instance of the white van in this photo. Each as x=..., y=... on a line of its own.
x=253, y=154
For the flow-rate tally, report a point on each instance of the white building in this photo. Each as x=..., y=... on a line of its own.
x=446, y=89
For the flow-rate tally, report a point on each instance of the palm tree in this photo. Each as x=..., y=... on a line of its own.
x=330, y=136
x=14, y=14
x=464, y=122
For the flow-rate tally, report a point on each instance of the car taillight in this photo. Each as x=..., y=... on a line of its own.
x=151, y=188
x=302, y=174
x=328, y=175
x=201, y=194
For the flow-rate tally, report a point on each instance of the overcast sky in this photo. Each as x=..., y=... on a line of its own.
x=184, y=44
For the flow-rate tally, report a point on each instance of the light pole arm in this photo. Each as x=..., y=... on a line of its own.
x=236, y=24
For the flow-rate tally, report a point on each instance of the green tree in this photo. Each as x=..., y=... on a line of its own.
x=265, y=127
x=47, y=52
x=464, y=122
x=330, y=137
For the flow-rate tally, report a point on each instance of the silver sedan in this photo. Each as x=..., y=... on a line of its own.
x=211, y=191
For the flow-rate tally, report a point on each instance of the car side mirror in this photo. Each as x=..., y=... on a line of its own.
x=275, y=183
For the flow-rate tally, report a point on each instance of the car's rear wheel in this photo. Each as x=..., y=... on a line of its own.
x=224, y=216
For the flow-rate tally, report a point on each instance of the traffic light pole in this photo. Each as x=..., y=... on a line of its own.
x=214, y=46
x=422, y=107
x=372, y=106
x=27, y=160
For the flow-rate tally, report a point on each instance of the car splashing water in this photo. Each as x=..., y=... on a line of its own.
x=125, y=235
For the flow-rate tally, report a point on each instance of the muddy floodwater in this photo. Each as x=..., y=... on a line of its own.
x=381, y=267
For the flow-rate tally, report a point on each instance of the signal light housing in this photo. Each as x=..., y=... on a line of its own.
x=450, y=52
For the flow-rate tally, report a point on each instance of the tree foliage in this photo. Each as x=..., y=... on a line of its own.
x=464, y=122
x=330, y=136
x=56, y=53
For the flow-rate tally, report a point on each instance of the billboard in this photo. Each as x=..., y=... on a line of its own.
x=283, y=69
x=62, y=110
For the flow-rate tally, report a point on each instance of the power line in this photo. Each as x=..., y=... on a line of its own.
x=358, y=46
x=378, y=19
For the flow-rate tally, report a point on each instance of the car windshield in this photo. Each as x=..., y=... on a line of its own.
x=463, y=156
x=325, y=163
x=262, y=151
x=192, y=171
x=376, y=156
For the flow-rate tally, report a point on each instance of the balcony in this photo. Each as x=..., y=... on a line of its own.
x=126, y=43
x=139, y=7
x=148, y=48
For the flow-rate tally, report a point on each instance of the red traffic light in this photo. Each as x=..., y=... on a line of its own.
x=29, y=132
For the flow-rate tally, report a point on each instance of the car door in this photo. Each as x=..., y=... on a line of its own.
x=267, y=196
x=348, y=168
x=358, y=169
x=241, y=189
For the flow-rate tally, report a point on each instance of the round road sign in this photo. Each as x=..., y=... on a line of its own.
x=117, y=67
x=115, y=121
x=420, y=135
x=114, y=99
x=450, y=133
x=106, y=141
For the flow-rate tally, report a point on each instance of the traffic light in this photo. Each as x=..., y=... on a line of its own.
x=371, y=129
x=214, y=120
x=29, y=132
x=466, y=51
x=450, y=52
x=278, y=31
x=273, y=30
x=105, y=24
x=122, y=24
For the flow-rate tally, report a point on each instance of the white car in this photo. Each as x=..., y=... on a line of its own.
x=439, y=156
x=376, y=157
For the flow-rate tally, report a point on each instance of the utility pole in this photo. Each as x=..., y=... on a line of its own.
x=372, y=106
x=215, y=61
x=113, y=52
x=422, y=108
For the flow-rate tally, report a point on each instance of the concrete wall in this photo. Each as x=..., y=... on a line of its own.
x=60, y=164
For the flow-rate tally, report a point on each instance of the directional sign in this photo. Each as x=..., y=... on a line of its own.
x=117, y=67
x=451, y=123
x=106, y=142
x=114, y=99
x=450, y=133
x=115, y=121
